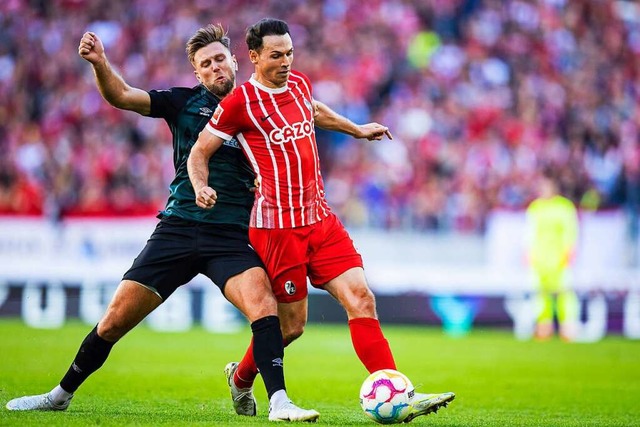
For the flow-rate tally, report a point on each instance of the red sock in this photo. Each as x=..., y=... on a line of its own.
x=370, y=344
x=247, y=369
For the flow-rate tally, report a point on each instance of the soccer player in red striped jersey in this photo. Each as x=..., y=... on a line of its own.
x=292, y=227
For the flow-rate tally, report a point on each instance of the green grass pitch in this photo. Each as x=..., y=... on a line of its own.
x=171, y=379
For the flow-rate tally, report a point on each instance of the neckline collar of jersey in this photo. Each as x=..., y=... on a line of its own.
x=260, y=86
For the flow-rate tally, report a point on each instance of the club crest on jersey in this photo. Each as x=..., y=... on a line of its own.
x=289, y=287
x=217, y=114
x=290, y=132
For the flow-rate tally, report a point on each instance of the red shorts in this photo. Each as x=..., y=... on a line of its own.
x=321, y=251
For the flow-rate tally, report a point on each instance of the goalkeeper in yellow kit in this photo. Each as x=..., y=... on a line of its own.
x=552, y=232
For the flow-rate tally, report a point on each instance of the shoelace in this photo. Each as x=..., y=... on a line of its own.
x=284, y=405
x=242, y=395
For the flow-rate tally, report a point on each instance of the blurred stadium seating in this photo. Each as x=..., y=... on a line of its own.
x=478, y=94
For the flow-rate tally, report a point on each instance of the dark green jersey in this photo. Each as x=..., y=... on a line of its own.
x=187, y=112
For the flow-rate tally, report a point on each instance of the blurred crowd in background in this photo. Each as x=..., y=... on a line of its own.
x=480, y=96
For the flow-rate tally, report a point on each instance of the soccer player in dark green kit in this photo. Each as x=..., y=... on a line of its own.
x=188, y=240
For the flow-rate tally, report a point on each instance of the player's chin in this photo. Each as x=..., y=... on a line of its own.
x=282, y=76
x=221, y=87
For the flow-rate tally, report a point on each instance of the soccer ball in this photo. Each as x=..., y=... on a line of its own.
x=385, y=396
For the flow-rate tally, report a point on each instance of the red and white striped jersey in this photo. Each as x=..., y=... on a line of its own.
x=276, y=131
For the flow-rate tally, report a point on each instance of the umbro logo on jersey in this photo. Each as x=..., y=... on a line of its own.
x=266, y=117
x=290, y=287
x=291, y=132
x=277, y=362
x=206, y=111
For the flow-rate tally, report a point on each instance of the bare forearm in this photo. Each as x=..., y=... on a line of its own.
x=198, y=168
x=117, y=92
x=110, y=84
x=328, y=119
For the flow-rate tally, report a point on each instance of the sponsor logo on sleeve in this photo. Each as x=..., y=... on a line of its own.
x=217, y=114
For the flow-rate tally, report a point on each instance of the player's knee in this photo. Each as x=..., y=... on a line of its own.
x=112, y=328
x=261, y=305
x=291, y=333
x=360, y=302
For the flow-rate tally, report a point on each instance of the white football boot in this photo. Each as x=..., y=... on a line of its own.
x=243, y=400
x=287, y=411
x=424, y=404
x=40, y=402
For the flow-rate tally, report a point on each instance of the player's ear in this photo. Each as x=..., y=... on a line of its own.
x=253, y=56
x=197, y=76
x=235, y=62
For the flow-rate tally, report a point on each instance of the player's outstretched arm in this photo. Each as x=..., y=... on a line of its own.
x=198, y=168
x=111, y=85
x=328, y=119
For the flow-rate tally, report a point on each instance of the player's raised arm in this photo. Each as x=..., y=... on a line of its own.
x=198, y=168
x=328, y=119
x=111, y=85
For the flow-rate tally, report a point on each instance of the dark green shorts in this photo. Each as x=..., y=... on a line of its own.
x=178, y=250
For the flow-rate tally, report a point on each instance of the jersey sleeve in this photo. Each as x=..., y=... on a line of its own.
x=228, y=118
x=309, y=85
x=306, y=83
x=168, y=103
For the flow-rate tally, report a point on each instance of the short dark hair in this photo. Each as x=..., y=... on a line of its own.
x=204, y=37
x=262, y=28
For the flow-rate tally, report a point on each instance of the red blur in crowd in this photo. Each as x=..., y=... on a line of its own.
x=480, y=97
